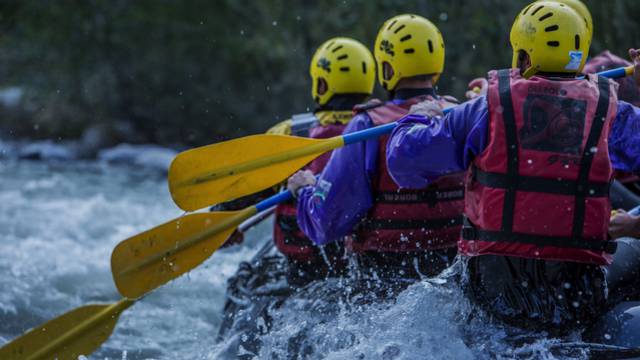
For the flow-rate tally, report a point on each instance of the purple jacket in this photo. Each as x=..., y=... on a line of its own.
x=342, y=195
x=421, y=149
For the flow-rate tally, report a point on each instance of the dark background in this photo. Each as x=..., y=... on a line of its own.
x=178, y=72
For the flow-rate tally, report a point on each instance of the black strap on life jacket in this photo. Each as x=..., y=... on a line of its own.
x=427, y=196
x=406, y=224
x=430, y=196
x=513, y=182
x=588, y=153
x=513, y=161
x=539, y=184
x=470, y=232
x=292, y=234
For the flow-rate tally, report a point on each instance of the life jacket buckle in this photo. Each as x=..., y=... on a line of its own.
x=469, y=232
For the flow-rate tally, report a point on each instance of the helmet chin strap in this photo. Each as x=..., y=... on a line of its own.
x=529, y=72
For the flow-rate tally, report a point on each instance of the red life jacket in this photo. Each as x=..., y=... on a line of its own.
x=289, y=239
x=541, y=187
x=408, y=220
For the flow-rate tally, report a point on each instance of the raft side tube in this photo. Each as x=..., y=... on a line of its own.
x=620, y=326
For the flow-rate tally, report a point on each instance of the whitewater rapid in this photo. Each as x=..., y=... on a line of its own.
x=60, y=222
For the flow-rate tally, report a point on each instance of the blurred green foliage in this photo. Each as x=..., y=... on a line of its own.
x=193, y=72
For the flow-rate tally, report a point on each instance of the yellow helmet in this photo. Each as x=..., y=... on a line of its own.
x=408, y=45
x=583, y=11
x=554, y=36
x=341, y=66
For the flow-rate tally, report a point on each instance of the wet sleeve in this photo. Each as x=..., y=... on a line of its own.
x=624, y=139
x=342, y=195
x=421, y=149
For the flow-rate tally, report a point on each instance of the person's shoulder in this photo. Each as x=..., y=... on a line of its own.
x=369, y=105
x=626, y=108
x=361, y=120
x=476, y=103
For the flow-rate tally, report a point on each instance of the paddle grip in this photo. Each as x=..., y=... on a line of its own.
x=274, y=200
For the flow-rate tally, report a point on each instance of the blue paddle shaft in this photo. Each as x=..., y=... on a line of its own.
x=274, y=200
x=614, y=73
x=370, y=133
x=374, y=132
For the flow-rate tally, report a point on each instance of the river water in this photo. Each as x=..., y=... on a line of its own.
x=60, y=222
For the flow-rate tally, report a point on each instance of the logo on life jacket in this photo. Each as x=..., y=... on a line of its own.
x=553, y=124
x=547, y=90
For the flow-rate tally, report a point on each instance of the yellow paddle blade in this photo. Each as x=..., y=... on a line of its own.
x=150, y=259
x=78, y=332
x=228, y=170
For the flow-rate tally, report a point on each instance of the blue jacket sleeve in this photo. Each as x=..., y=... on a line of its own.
x=421, y=149
x=342, y=195
x=624, y=139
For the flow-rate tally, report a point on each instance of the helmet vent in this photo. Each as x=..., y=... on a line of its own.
x=536, y=10
x=398, y=29
x=391, y=25
x=344, y=68
x=409, y=51
x=364, y=67
x=527, y=9
x=343, y=56
x=329, y=45
x=551, y=28
x=406, y=37
x=553, y=43
x=430, y=46
x=546, y=16
x=577, y=39
x=337, y=48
